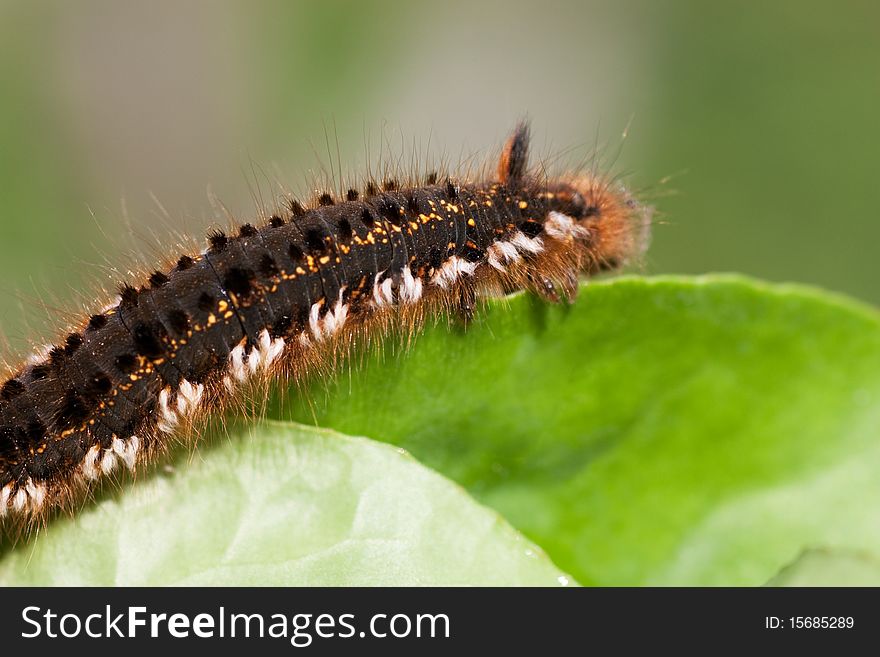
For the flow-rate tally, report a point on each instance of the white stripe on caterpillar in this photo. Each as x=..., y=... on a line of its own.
x=89, y=465
x=527, y=244
x=501, y=253
x=168, y=418
x=451, y=270
x=335, y=318
x=19, y=502
x=5, y=493
x=238, y=362
x=562, y=227
x=188, y=397
x=108, y=461
x=411, y=289
x=36, y=494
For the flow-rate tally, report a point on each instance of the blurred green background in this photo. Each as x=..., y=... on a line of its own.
x=764, y=116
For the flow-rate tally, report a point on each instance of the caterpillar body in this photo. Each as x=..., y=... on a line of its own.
x=284, y=297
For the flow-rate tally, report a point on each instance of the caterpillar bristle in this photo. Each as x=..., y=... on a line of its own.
x=217, y=240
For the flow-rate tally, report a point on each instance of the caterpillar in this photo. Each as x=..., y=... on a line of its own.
x=279, y=299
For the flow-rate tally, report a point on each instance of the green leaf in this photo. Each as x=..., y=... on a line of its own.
x=285, y=505
x=830, y=568
x=660, y=431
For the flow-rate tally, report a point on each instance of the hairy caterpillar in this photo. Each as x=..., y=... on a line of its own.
x=281, y=298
